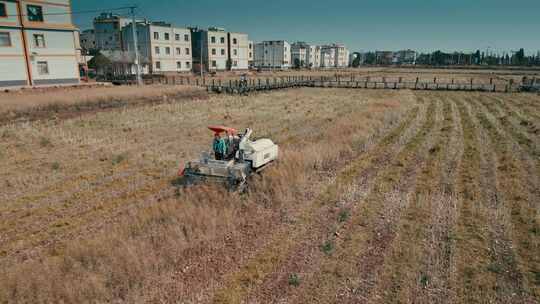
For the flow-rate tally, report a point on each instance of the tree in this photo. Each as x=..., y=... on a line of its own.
x=520, y=57
x=297, y=63
x=356, y=62
x=99, y=61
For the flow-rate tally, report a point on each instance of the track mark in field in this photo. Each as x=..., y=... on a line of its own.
x=473, y=281
x=238, y=284
x=416, y=267
x=436, y=271
x=515, y=225
x=349, y=273
x=309, y=252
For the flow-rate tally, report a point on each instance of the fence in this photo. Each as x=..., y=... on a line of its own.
x=238, y=86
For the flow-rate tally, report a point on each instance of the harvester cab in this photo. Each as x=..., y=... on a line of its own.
x=243, y=158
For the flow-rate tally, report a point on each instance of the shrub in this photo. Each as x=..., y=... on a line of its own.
x=45, y=142
x=328, y=247
x=294, y=280
x=119, y=158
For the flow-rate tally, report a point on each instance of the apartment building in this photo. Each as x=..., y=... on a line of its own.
x=313, y=57
x=405, y=57
x=384, y=57
x=88, y=40
x=338, y=55
x=37, y=43
x=327, y=58
x=299, y=54
x=211, y=46
x=238, y=51
x=162, y=47
x=275, y=54
x=108, y=31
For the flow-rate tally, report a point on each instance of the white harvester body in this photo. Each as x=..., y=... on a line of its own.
x=249, y=158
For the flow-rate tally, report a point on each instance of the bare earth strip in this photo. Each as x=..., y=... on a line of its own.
x=306, y=258
x=348, y=274
x=240, y=283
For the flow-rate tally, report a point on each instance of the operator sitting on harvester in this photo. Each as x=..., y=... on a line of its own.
x=219, y=147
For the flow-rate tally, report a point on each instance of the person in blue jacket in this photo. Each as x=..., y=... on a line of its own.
x=219, y=147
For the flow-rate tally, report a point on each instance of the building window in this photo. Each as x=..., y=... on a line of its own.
x=186, y=37
x=235, y=63
x=213, y=51
x=250, y=46
x=188, y=64
x=213, y=39
x=222, y=51
x=167, y=50
x=5, y=39
x=3, y=10
x=250, y=54
x=178, y=65
x=39, y=40
x=235, y=52
x=156, y=36
x=43, y=68
x=234, y=41
x=156, y=49
x=176, y=37
x=167, y=36
x=222, y=39
x=35, y=13
x=158, y=65
x=178, y=52
x=187, y=51
x=214, y=63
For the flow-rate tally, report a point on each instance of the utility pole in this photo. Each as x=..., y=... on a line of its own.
x=135, y=44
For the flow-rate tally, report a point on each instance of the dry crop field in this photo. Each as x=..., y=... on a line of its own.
x=380, y=196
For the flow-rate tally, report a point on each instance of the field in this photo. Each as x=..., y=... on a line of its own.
x=380, y=196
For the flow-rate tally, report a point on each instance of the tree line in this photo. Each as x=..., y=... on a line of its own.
x=440, y=58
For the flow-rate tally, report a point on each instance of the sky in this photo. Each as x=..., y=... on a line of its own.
x=362, y=25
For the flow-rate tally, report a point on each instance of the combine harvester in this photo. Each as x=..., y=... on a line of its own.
x=246, y=158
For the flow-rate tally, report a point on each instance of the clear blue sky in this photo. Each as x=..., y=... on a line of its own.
x=360, y=24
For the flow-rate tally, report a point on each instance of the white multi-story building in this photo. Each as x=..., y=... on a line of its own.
x=335, y=56
x=274, y=54
x=212, y=47
x=299, y=54
x=163, y=47
x=37, y=43
x=238, y=51
x=313, y=57
x=327, y=57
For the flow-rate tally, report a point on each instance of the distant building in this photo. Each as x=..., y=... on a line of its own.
x=238, y=51
x=313, y=57
x=335, y=56
x=405, y=57
x=164, y=47
x=275, y=54
x=212, y=46
x=36, y=46
x=88, y=40
x=108, y=31
x=299, y=54
x=384, y=57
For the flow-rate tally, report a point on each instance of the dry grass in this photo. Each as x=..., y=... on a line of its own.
x=380, y=196
x=116, y=225
x=72, y=101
